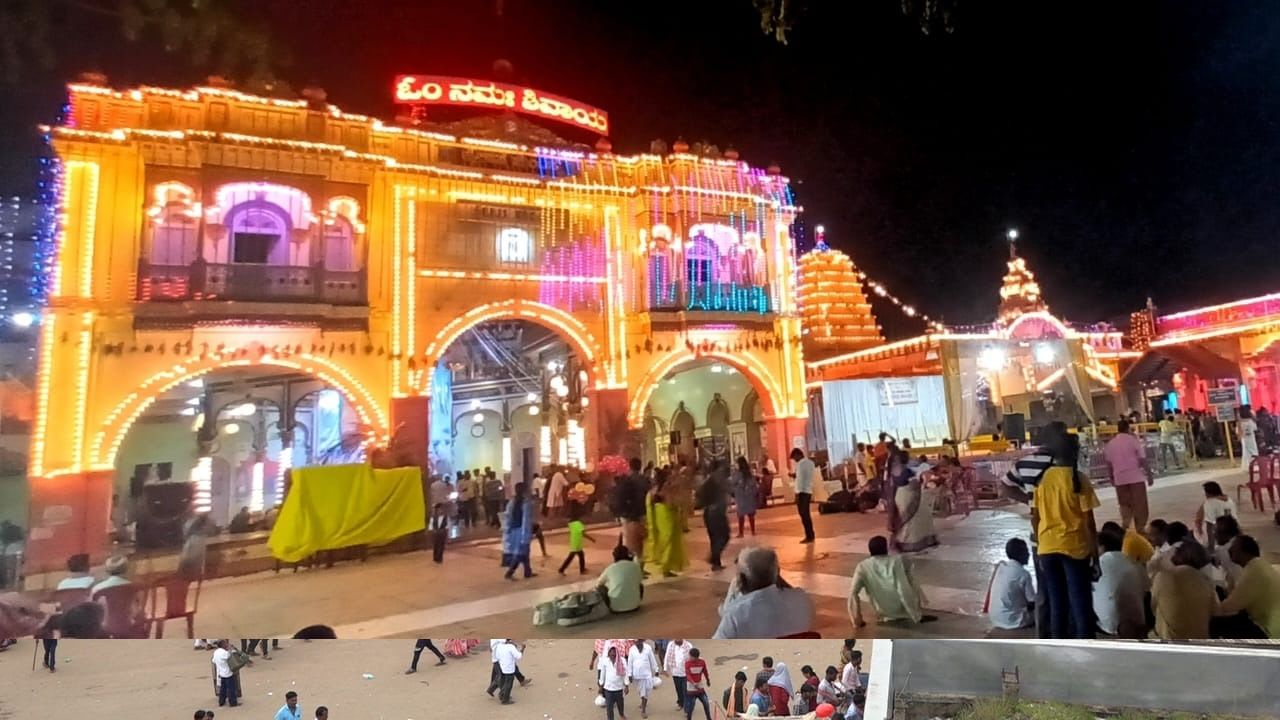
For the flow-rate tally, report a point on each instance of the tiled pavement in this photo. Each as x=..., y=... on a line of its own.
x=408, y=596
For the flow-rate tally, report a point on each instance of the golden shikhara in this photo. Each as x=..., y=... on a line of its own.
x=1020, y=293
x=834, y=311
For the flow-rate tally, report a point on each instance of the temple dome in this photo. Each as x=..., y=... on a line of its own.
x=834, y=313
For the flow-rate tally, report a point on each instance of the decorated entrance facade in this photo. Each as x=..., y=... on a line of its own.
x=206, y=231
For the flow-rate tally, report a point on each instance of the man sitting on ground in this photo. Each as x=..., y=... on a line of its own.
x=79, y=579
x=1118, y=591
x=1012, y=596
x=621, y=585
x=1257, y=592
x=768, y=607
x=888, y=583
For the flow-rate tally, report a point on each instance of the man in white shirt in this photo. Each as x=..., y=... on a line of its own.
x=611, y=676
x=507, y=654
x=79, y=579
x=1118, y=592
x=495, y=674
x=851, y=676
x=642, y=667
x=673, y=665
x=1224, y=531
x=805, y=474
x=768, y=607
x=1012, y=596
x=227, y=690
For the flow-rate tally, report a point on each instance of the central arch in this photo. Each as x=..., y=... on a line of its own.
x=117, y=423
x=577, y=334
x=756, y=373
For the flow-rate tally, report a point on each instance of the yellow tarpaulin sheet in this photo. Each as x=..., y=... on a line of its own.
x=337, y=506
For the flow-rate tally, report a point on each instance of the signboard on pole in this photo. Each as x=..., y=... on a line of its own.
x=1224, y=413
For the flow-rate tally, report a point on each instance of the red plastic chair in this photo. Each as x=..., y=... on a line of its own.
x=1262, y=475
x=126, y=616
x=179, y=604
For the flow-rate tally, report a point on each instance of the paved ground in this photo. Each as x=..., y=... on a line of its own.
x=170, y=680
x=408, y=596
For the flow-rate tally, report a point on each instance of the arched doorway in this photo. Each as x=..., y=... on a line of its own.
x=532, y=378
x=657, y=441
x=220, y=442
x=685, y=426
x=726, y=398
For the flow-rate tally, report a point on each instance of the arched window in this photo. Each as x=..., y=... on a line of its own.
x=259, y=233
x=340, y=246
x=174, y=236
x=700, y=260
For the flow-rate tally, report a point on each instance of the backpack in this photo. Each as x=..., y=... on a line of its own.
x=238, y=660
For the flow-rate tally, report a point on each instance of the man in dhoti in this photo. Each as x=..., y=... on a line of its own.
x=642, y=667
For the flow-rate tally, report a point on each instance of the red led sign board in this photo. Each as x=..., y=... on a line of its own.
x=461, y=92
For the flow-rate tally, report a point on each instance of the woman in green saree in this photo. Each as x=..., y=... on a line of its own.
x=664, y=544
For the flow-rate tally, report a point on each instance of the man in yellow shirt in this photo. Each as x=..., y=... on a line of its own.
x=1068, y=543
x=1169, y=428
x=1257, y=593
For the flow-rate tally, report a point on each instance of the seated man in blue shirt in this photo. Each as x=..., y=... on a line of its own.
x=290, y=711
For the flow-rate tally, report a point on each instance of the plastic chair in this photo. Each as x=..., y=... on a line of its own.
x=70, y=597
x=1262, y=475
x=179, y=604
x=126, y=611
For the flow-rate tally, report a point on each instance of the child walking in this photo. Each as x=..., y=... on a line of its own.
x=577, y=533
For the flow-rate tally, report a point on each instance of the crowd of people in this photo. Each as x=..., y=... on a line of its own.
x=1134, y=578
x=630, y=673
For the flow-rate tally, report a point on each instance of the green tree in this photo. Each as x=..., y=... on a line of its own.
x=777, y=17
x=204, y=34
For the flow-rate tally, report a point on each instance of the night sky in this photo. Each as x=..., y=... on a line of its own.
x=1134, y=144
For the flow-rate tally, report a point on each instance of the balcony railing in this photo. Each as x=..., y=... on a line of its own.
x=709, y=297
x=250, y=283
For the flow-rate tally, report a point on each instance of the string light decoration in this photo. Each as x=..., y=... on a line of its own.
x=1020, y=293
x=47, y=195
x=835, y=314
x=1142, y=327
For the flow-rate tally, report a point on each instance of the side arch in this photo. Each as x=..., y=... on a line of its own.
x=116, y=425
x=756, y=372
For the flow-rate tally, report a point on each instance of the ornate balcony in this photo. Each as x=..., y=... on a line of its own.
x=250, y=283
x=710, y=297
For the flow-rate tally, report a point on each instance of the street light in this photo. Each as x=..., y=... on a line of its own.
x=1012, y=234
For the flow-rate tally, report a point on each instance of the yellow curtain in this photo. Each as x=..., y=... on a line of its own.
x=336, y=506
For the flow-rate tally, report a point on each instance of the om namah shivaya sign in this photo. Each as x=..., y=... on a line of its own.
x=461, y=92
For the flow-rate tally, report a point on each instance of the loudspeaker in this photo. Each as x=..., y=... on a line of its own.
x=1015, y=428
x=675, y=437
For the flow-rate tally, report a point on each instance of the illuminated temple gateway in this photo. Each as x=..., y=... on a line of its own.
x=244, y=284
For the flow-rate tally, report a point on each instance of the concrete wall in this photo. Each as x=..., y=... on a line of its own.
x=1238, y=680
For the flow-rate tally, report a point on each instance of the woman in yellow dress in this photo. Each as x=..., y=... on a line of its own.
x=664, y=545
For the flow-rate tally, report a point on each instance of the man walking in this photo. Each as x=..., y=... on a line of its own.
x=508, y=655
x=418, y=647
x=631, y=492
x=804, y=476
x=673, y=663
x=1127, y=463
x=695, y=670
x=290, y=711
